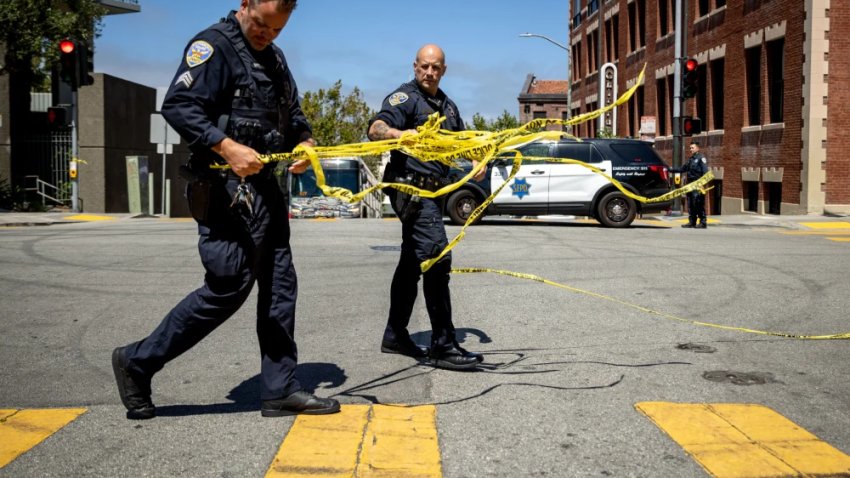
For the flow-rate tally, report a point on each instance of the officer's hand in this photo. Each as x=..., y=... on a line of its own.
x=480, y=175
x=244, y=161
x=408, y=136
x=299, y=166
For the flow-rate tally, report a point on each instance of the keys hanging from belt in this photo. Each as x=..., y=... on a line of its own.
x=243, y=196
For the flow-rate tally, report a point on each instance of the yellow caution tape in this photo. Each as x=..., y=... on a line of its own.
x=476, y=270
x=431, y=143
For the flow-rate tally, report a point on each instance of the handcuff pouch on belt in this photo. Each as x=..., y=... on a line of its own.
x=409, y=205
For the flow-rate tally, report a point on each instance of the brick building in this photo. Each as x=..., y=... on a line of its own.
x=542, y=99
x=774, y=91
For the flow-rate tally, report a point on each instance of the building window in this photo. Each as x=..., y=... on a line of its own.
x=642, y=22
x=661, y=100
x=670, y=91
x=576, y=62
x=633, y=26
x=592, y=6
x=663, y=17
x=704, y=6
x=591, y=52
x=717, y=67
x=752, y=57
x=565, y=115
x=593, y=124
x=702, y=92
x=635, y=112
x=612, y=38
x=775, y=78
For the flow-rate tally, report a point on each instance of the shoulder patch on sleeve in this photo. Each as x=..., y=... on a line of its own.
x=704, y=160
x=199, y=52
x=398, y=98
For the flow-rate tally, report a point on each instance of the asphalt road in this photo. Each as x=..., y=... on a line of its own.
x=564, y=368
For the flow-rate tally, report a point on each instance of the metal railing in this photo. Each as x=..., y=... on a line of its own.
x=42, y=187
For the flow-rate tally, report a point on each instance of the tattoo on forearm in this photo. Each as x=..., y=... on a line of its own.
x=380, y=131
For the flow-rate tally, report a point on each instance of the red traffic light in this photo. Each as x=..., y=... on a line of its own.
x=691, y=126
x=691, y=65
x=67, y=46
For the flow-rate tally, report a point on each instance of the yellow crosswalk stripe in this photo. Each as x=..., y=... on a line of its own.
x=839, y=239
x=363, y=441
x=827, y=225
x=745, y=440
x=90, y=217
x=20, y=430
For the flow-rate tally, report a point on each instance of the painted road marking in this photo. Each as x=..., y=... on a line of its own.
x=363, y=441
x=89, y=217
x=20, y=430
x=745, y=440
x=827, y=225
x=839, y=239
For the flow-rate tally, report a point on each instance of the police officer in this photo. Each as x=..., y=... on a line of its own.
x=423, y=232
x=696, y=167
x=233, y=98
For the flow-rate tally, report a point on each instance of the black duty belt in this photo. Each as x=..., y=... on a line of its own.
x=424, y=181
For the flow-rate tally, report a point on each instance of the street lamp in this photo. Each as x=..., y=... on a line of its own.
x=569, y=80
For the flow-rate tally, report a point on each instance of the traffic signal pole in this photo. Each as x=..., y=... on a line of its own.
x=680, y=51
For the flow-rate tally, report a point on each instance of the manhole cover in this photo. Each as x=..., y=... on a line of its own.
x=385, y=248
x=698, y=348
x=739, y=378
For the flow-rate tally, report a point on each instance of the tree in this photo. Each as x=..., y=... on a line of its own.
x=32, y=30
x=339, y=119
x=505, y=121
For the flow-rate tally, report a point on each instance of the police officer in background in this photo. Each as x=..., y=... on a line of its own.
x=696, y=167
x=423, y=232
x=232, y=99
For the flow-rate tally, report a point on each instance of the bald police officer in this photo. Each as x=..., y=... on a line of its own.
x=423, y=232
x=233, y=98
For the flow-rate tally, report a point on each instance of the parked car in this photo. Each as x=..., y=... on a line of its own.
x=545, y=187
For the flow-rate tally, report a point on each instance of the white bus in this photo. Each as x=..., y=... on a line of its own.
x=307, y=201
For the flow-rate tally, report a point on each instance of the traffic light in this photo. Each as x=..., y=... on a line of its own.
x=86, y=57
x=691, y=126
x=689, y=78
x=69, y=62
x=59, y=116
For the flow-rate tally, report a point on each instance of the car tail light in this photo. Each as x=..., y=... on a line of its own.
x=661, y=171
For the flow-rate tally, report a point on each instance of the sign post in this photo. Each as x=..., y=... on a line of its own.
x=163, y=136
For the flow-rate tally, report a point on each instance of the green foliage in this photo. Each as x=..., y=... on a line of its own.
x=605, y=133
x=17, y=199
x=339, y=119
x=32, y=29
x=504, y=121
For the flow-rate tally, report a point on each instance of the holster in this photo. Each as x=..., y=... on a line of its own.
x=199, y=195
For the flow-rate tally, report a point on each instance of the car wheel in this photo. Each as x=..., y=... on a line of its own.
x=616, y=210
x=460, y=205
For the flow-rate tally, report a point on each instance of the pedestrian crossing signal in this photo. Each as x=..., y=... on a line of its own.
x=690, y=78
x=691, y=126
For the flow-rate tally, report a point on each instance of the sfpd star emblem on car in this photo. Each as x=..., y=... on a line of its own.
x=520, y=188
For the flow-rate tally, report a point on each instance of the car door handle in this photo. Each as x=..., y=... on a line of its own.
x=537, y=171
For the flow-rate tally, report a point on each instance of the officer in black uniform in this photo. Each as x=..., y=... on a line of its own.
x=423, y=232
x=233, y=98
x=695, y=168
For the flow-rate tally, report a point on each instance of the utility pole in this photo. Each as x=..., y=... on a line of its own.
x=681, y=51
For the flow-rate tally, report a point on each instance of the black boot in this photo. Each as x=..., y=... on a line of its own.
x=403, y=346
x=453, y=357
x=134, y=389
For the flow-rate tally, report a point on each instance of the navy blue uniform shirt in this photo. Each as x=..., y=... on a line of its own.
x=408, y=107
x=208, y=77
x=696, y=167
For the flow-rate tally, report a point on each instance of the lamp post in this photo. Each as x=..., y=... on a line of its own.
x=569, y=80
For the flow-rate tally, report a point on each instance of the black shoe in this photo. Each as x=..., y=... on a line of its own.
x=477, y=355
x=299, y=403
x=454, y=358
x=404, y=347
x=134, y=390
x=689, y=225
x=702, y=225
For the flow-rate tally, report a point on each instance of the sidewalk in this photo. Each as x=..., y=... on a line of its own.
x=21, y=219
x=801, y=222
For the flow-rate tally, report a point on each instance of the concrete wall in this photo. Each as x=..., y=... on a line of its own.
x=115, y=123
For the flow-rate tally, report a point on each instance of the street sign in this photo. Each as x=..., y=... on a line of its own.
x=164, y=148
x=162, y=132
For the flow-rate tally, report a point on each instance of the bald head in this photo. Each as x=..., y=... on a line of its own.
x=429, y=67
